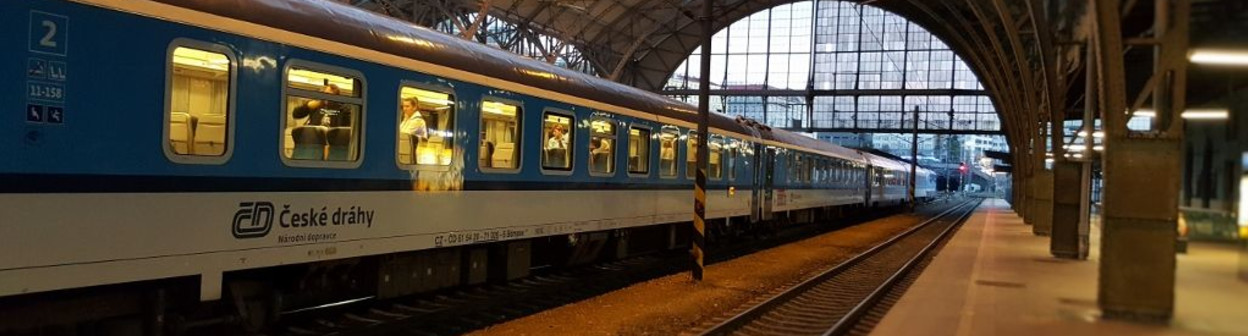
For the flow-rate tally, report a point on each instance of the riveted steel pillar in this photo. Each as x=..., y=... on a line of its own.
x=1042, y=220
x=1072, y=182
x=1142, y=171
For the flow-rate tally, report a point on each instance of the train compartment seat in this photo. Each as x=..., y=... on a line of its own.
x=339, y=139
x=310, y=142
x=210, y=135
x=504, y=157
x=181, y=132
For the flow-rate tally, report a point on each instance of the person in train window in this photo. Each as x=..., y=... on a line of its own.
x=600, y=152
x=324, y=112
x=413, y=122
x=557, y=147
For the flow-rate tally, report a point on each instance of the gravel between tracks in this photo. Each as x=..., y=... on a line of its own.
x=673, y=304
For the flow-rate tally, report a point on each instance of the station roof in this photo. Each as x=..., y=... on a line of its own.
x=1028, y=53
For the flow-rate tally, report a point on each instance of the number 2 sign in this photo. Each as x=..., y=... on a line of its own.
x=49, y=33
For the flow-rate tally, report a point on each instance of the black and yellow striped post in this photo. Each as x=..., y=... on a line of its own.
x=698, y=250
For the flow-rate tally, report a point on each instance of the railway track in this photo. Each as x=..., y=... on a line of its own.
x=464, y=310
x=835, y=301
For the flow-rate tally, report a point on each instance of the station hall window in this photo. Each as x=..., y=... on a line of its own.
x=638, y=150
x=426, y=122
x=199, y=92
x=601, y=146
x=714, y=159
x=322, y=116
x=500, y=135
x=691, y=156
x=669, y=138
x=557, y=130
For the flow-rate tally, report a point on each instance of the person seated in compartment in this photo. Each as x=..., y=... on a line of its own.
x=321, y=112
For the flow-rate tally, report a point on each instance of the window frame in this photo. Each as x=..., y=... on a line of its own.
x=649, y=141
x=571, y=143
x=615, y=145
x=676, y=150
x=734, y=151
x=363, y=100
x=454, y=123
x=691, y=175
x=519, y=137
x=231, y=107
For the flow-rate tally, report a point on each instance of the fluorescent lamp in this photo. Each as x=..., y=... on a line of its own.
x=1205, y=114
x=1219, y=57
x=1191, y=114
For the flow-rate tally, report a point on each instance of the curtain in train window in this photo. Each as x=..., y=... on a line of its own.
x=638, y=151
x=322, y=116
x=601, y=147
x=556, y=134
x=198, y=102
x=669, y=141
x=715, y=155
x=732, y=150
x=426, y=122
x=500, y=135
x=691, y=156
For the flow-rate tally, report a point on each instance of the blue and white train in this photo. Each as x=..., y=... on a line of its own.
x=214, y=145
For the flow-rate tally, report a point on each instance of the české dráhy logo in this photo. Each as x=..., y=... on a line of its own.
x=253, y=219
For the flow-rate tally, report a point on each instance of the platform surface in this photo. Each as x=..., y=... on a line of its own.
x=996, y=278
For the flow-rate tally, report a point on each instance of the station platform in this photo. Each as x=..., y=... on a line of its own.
x=996, y=278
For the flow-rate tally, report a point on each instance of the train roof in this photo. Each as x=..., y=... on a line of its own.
x=354, y=26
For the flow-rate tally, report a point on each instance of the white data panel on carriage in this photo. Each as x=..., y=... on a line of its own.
x=129, y=237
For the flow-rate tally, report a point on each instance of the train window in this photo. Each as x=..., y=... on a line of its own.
x=323, y=114
x=601, y=147
x=691, y=155
x=638, y=151
x=715, y=156
x=500, y=135
x=557, y=130
x=425, y=133
x=198, y=124
x=669, y=141
x=733, y=148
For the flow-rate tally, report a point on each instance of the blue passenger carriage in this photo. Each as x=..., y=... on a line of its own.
x=218, y=143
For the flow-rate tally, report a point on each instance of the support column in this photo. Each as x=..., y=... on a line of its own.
x=1071, y=192
x=1142, y=171
x=1043, y=224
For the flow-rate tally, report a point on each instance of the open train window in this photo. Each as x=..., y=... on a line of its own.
x=557, y=132
x=324, y=109
x=425, y=127
x=601, y=147
x=669, y=141
x=199, y=101
x=500, y=135
x=638, y=151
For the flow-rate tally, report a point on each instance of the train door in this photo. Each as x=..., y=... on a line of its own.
x=763, y=191
x=868, y=175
